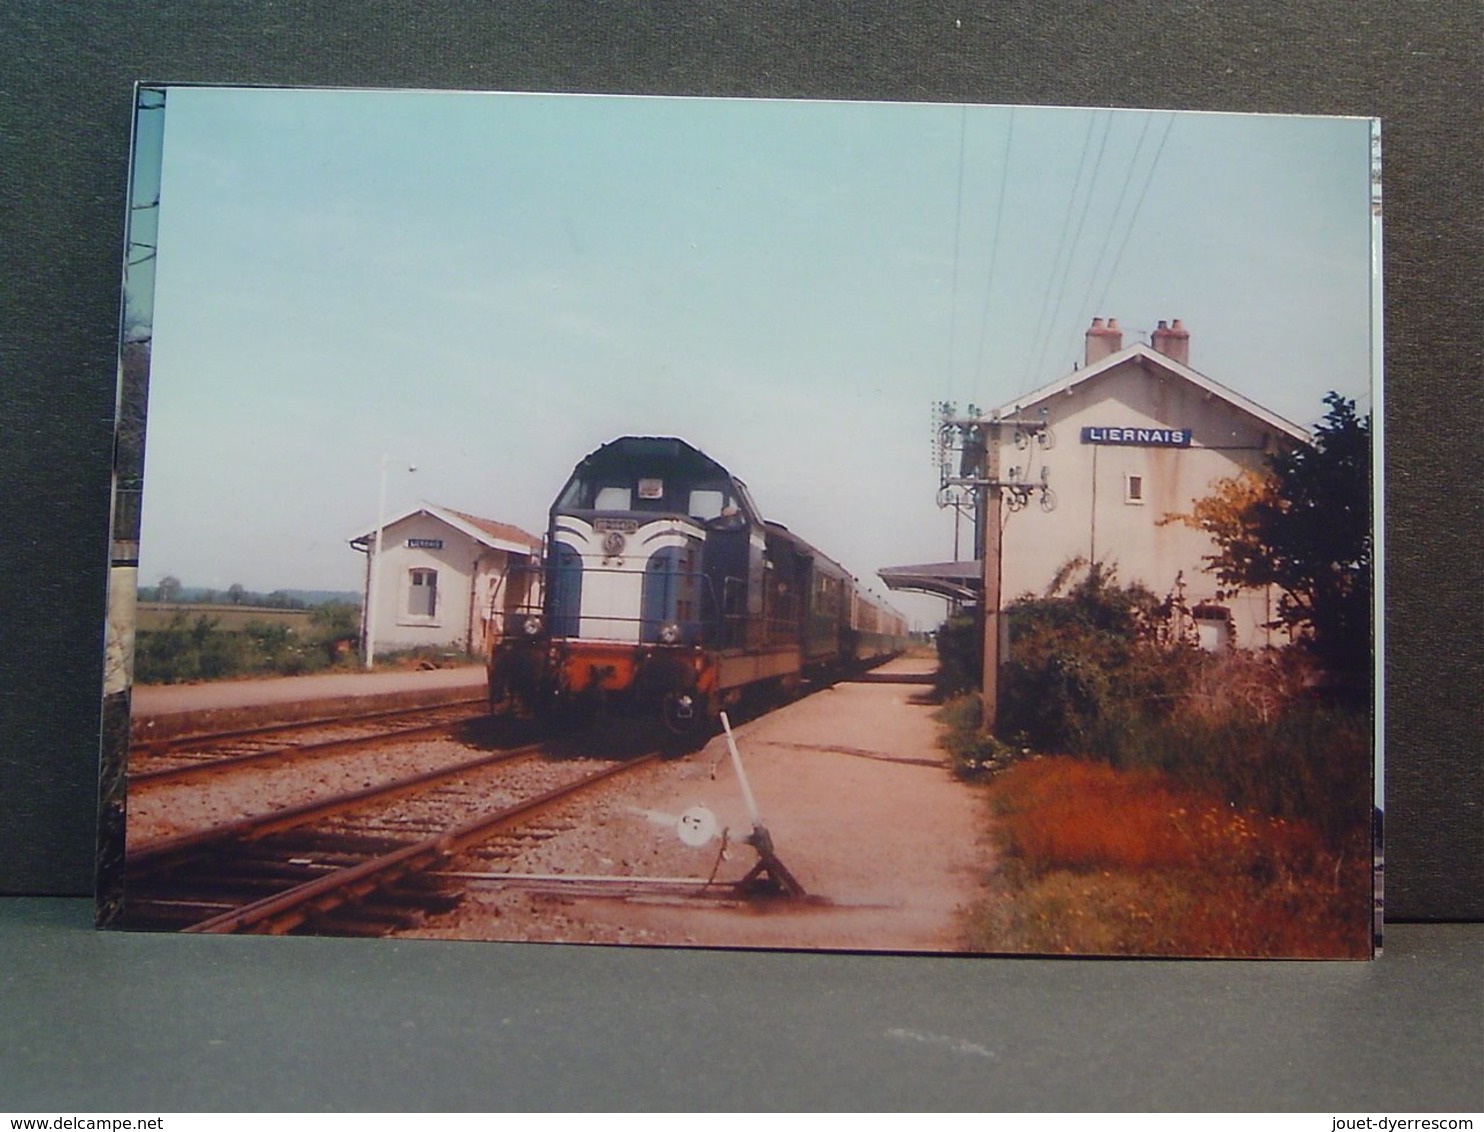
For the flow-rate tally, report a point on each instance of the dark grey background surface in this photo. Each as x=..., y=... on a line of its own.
x=66, y=75
x=105, y=1021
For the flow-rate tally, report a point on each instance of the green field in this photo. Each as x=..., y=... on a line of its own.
x=179, y=641
x=152, y=615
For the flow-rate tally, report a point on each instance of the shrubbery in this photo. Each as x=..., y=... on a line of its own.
x=197, y=649
x=976, y=753
x=1083, y=666
x=1105, y=861
x=1087, y=675
x=1152, y=798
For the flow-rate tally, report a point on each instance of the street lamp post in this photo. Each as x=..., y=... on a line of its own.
x=374, y=572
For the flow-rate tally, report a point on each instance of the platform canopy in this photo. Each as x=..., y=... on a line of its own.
x=957, y=581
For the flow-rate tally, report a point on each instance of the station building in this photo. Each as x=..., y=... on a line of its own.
x=1136, y=436
x=446, y=579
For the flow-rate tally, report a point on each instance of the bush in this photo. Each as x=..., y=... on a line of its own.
x=1184, y=803
x=1098, y=860
x=1079, y=662
x=1087, y=677
x=960, y=656
x=335, y=623
x=186, y=650
x=976, y=754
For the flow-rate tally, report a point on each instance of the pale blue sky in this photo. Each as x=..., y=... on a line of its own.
x=491, y=286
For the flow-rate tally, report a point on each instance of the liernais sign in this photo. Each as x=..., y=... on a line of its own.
x=1139, y=437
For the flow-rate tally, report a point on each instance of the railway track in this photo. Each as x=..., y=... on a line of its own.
x=361, y=859
x=186, y=757
x=355, y=863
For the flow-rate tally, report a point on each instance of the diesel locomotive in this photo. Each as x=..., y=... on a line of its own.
x=663, y=589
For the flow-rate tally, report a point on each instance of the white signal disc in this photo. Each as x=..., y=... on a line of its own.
x=696, y=826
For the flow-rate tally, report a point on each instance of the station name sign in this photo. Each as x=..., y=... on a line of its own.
x=425, y=543
x=1139, y=437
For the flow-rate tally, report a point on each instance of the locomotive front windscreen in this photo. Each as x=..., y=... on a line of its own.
x=649, y=493
x=652, y=476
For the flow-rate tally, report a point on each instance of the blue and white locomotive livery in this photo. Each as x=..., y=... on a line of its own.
x=664, y=589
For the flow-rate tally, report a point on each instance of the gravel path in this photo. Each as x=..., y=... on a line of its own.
x=168, y=699
x=862, y=808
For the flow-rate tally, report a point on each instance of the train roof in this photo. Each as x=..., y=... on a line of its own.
x=628, y=454
x=778, y=530
x=627, y=451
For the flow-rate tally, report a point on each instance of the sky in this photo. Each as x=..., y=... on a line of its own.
x=489, y=287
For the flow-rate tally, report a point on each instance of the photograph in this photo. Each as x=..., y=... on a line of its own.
x=744, y=523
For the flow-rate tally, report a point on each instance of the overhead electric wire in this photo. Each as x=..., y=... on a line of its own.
x=1128, y=179
x=994, y=248
x=958, y=214
x=1071, y=251
x=1134, y=219
x=1060, y=244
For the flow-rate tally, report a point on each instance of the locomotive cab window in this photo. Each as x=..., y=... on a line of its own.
x=706, y=503
x=422, y=593
x=614, y=499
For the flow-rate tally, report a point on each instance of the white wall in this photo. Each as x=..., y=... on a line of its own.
x=396, y=627
x=1093, y=518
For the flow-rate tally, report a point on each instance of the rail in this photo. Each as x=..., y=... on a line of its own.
x=285, y=911
x=201, y=764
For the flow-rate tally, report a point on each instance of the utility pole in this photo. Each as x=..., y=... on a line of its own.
x=991, y=535
x=978, y=439
x=373, y=570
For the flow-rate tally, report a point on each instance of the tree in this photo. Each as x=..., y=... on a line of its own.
x=1305, y=528
x=168, y=589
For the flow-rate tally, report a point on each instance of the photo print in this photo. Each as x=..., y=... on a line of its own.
x=746, y=524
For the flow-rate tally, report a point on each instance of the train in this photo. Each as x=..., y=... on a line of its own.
x=662, y=590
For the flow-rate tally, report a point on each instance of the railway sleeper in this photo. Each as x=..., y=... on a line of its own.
x=169, y=915
x=332, y=845
x=406, y=903
x=294, y=865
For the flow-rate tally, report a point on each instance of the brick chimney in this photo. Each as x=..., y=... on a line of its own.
x=1103, y=340
x=1173, y=341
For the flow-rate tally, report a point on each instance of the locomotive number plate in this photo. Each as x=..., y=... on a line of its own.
x=623, y=526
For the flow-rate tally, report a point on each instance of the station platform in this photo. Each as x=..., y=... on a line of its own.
x=160, y=710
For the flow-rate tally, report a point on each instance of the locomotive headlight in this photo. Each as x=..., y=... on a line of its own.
x=670, y=633
x=531, y=627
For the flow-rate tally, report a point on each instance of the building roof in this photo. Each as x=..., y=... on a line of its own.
x=961, y=581
x=958, y=581
x=502, y=532
x=489, y=532
x=1147, y=355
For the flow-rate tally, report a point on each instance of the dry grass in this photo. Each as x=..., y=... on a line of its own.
x=1103, y=861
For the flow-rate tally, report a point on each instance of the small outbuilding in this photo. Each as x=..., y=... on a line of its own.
x=445, y=580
